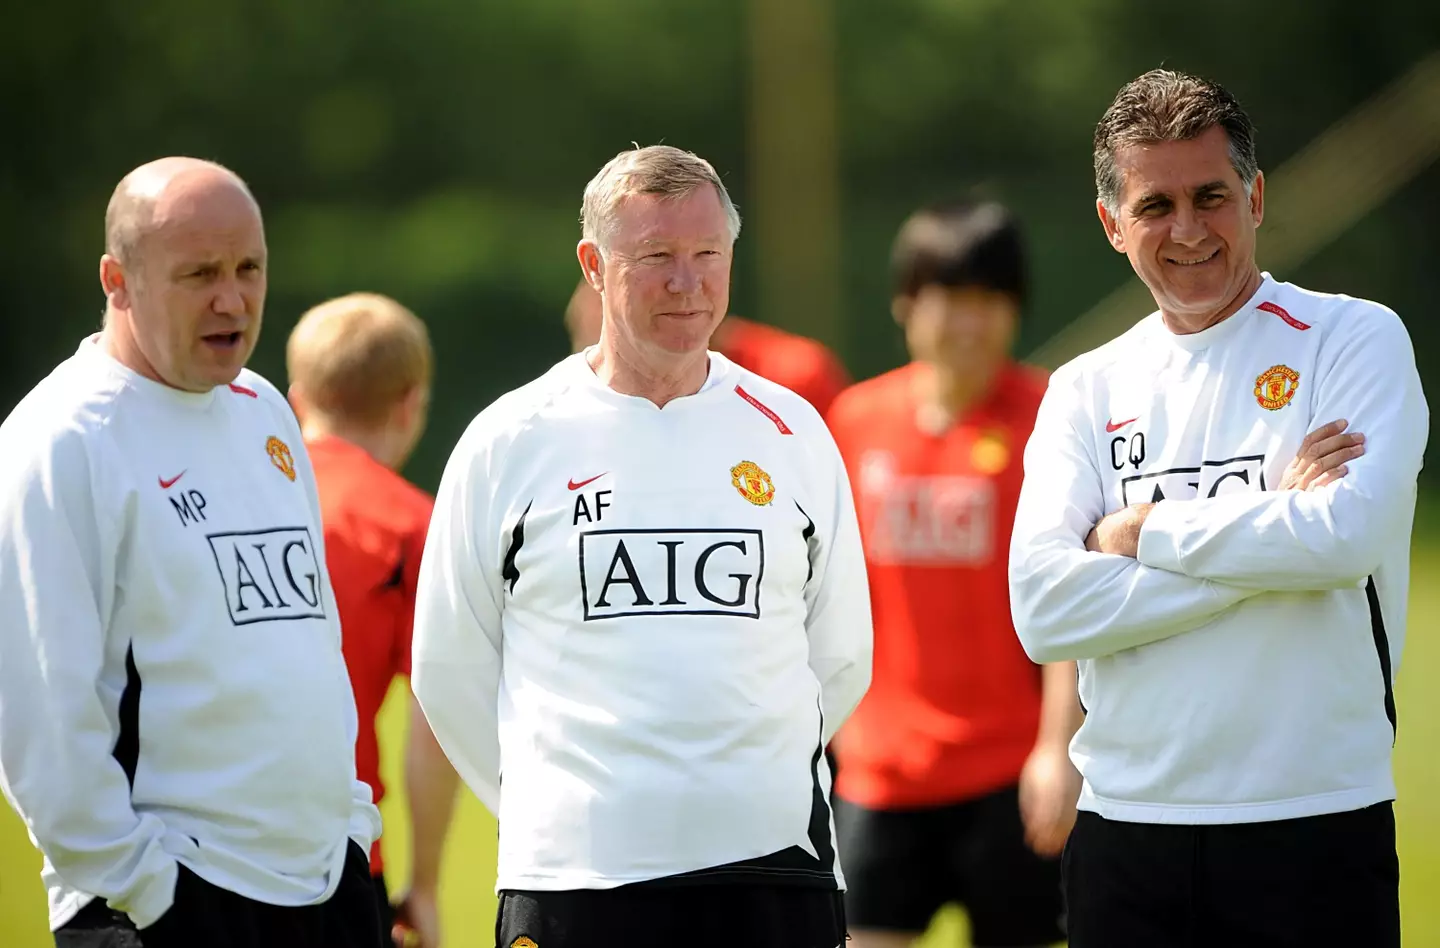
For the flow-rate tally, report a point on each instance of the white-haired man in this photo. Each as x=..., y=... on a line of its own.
x=176, y=726
x=643, y=602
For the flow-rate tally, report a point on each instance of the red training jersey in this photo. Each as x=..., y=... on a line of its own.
x=801, y=364
x=375, y=523
x=954, y=703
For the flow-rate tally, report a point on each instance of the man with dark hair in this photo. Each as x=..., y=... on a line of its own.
x=954, y=782
x=1205, y=528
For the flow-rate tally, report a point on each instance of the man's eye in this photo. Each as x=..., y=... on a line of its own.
x=1210, y=200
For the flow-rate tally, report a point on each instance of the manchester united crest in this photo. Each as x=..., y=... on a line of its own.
x=752, y=483
x=1276, y=386
x=990, y=454
x=280, y=456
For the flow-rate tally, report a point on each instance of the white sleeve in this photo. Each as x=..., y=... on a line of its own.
x=365, y=824
x=455, y=656
x=837, y=596
x=59, y=721
x=1067, y=602
x=1337, y=535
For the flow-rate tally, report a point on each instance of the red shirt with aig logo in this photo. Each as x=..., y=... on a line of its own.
x=954, y=703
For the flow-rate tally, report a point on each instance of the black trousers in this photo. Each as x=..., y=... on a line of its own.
x=1301, y=883
x=672, y=916
x=204, y=914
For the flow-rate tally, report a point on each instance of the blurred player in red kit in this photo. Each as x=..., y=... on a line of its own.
x=360, y=369
x=954, y=782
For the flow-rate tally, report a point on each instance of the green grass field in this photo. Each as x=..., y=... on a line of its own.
x=469, y=903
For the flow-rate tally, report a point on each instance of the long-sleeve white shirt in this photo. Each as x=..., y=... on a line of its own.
x=650, y=621
x=1241, y=668
x=172, y=688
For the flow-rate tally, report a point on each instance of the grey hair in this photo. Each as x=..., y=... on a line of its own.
x=1163, y=106
x=657, y=169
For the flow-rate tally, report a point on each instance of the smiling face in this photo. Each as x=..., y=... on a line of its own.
x=663, y=274
x=186, y=295
x=1184, y=220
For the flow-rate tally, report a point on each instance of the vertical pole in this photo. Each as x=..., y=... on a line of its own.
x=794, y=180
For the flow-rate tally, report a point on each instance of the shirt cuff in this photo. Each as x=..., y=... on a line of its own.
x=1158, y=547
x=152, y=899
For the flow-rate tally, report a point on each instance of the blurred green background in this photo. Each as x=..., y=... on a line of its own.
x=436, y=150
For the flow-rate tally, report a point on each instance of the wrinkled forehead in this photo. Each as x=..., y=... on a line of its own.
x=1175, y=167
x=652, y=219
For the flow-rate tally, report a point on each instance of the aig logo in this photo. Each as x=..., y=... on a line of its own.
x=671, y=572
x=268, y=574
x=1209, y=479
x=935, y=521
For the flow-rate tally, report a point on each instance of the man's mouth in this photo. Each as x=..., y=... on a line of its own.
x=1195, y=261
x=223, y=340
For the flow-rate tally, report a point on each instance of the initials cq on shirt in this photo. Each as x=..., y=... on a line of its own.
x=269, y=575
x=665, y=572
x=1207, y=479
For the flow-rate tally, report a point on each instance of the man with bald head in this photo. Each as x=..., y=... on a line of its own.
x=177, y=727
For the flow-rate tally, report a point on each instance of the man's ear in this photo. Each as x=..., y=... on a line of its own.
x=1111, y=223
x=900, y=307
x=592, y=264
x=1257, y=198
x=295, y=395
x=114, y=283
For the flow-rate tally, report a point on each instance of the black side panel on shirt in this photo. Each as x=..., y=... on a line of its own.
x=805, y=535
x=1382, y=647
x=791, y=866
x=127, y=744
x=508, y=572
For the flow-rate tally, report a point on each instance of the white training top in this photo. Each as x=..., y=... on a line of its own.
x=638, y=615
x=171, y=682
x=1241, y=670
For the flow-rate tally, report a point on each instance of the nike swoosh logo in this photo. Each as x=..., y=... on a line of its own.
x=576, y=486
x=1114, y=426
x=166, y=485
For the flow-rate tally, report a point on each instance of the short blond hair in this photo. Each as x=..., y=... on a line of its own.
x=657, y=169
x=355, y=357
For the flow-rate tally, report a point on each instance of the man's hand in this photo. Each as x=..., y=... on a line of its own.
x=1322, y=456
x=1049, y=787
x=417, y=921
x=1119, y=532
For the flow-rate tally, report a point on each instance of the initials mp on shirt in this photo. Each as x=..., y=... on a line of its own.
x=658, y=572
x=269, y=575
x=1206, y=479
